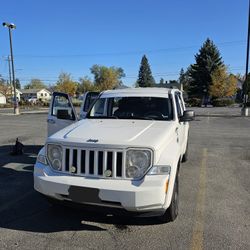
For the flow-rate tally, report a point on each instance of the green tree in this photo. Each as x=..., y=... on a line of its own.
x=223, y=83
x=162, y=81
x=207, y=61
x=106, y=77
x=85, y=85
x=35, y=84
x=18, y=84
x=66, y=84
x=145, y=77
x=185, y=78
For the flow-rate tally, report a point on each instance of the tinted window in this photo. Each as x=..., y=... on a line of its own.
x=152, y=108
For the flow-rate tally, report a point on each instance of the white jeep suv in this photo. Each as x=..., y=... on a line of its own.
x=125, y=155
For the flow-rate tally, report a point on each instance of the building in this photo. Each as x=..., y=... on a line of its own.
x=2, y=98
x=7, y=95
x=39, y=94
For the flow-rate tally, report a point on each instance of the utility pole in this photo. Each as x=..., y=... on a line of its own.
x=8, y=59
x=11, y=26
x=244, y=110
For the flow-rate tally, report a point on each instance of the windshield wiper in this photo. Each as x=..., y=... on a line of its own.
x=104, y=117
x=136, y=117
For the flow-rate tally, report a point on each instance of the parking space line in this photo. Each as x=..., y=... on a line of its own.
x=198, y=229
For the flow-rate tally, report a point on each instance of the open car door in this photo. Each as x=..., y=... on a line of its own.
x=87, y=101
x=61, y=113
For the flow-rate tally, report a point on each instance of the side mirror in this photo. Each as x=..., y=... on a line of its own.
x=83, y=115
x=63, y=114
x=188, y=115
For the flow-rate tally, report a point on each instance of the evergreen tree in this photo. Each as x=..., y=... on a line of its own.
x=207, y=61
x=145, y=78
x=185, y=78
x=18, y=84
x=162, y=81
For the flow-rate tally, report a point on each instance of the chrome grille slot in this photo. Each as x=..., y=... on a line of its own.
x=94, y=162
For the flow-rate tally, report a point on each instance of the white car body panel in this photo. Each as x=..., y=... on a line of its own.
x=166, y=139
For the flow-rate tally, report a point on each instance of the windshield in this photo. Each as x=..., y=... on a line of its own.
x=146, y=108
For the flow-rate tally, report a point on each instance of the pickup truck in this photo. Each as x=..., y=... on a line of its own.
x=125, y=154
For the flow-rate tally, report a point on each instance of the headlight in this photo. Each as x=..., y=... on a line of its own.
x=54, y=153
x=137, y=162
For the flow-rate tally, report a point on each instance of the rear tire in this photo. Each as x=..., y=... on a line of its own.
x=172, y=212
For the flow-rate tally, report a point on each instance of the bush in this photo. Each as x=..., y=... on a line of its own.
x=222, y=102
x=7, y=105
x=76, y=102
x=194, y=102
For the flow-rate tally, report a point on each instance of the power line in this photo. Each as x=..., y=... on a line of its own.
x=125, y=53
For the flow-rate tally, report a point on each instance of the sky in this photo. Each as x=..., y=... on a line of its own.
x=54, y=36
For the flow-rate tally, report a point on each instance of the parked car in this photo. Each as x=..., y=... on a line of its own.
x=125, y=155
x=32, y=100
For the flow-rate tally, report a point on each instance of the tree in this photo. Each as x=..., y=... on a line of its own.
x=18, y=84
x=35, y=84
x=185, y=78
x=106, y=77
x=223, y=84
x=4, y=88
x=66, y=84
x=162, y=81
x=207, y=61
x=85, y=85
x=145, y=77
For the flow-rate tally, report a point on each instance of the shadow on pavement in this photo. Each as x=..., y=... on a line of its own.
x=22, y=208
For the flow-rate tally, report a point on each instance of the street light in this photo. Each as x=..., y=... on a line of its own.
x=12, y=26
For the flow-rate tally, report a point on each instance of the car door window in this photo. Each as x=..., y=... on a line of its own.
x=63, y=104
x=179, y=108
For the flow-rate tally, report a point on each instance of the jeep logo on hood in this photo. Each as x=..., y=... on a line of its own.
x=92, y=140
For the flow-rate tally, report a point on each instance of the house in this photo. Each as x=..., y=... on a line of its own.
x=2, y=98
x=8, y=95
x=39, y=94
x=18, y=94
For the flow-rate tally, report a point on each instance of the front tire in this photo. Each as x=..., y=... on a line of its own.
x=185, y=156
x=172, y=212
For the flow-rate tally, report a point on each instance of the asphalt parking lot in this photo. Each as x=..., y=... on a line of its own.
x=214, y=194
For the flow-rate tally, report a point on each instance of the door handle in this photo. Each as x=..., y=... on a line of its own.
x=51, y=121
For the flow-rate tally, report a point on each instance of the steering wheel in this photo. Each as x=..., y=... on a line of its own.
x=156, y=114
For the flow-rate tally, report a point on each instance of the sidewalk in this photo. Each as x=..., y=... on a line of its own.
x=217, y=111
x=9, y=111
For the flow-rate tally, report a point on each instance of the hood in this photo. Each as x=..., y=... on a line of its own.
x=138, y=133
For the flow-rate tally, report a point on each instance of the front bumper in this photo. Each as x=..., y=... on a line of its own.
x=146, y=195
